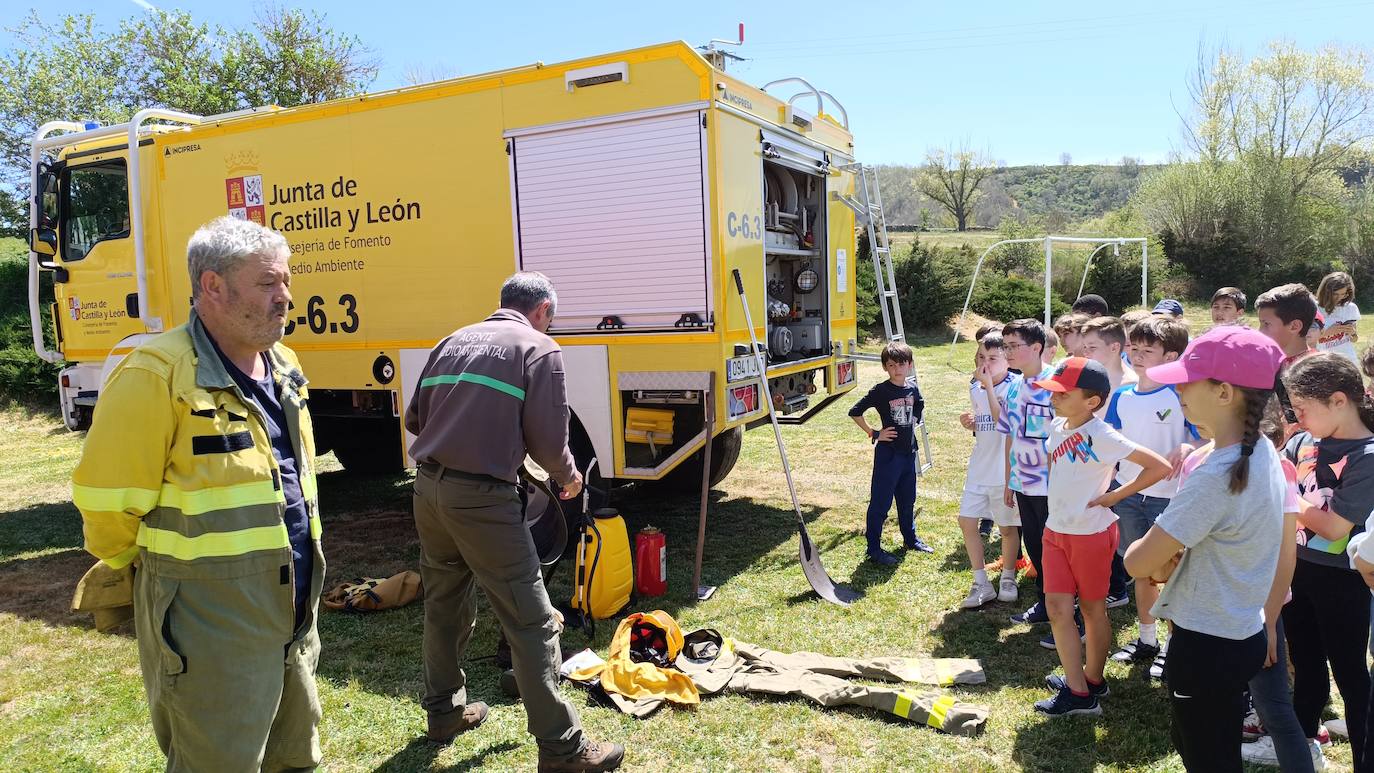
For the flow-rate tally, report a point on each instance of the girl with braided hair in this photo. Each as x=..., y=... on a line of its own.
x=1327, y=622
x=1216, y=547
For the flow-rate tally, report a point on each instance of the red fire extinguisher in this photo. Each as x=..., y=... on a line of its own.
x=651, y=562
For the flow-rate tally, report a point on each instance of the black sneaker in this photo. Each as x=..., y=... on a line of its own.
x=985, y=527
x=1136, y=652
x=1118, y=600
x=884, y=558
x=1057, y=683
x=1034, y=615
x=918, y=545
x=1048, y=641
x=1065, y=703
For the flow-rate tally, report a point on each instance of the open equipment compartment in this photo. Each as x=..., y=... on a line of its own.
x=796, y=272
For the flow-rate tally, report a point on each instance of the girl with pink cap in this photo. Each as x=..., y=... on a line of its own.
x=1216, y=547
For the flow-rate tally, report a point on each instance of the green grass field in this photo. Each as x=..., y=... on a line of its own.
x=72, y=699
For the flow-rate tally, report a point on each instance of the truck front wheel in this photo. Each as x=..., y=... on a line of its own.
x=686, y=477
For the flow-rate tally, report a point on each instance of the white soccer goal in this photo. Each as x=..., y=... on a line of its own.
x=1102, y=242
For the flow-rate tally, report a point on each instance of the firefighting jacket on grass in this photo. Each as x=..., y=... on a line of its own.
x=178, y=468
x=621, y=675
x=490, y=393
x=719, y=664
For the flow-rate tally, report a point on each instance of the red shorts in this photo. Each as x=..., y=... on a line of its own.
x=1079, y=563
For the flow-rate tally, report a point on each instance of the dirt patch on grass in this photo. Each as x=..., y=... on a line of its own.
x=377, y=544
x=41, y=588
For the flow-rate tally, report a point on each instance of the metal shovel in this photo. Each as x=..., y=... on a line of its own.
x=810, y=557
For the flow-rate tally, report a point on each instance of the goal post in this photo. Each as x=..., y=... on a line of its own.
x=1048, y=242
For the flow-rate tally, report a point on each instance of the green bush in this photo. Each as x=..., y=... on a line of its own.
x=1011, y=297
x=22, y=375
x=1117, y=278
x=866, y=316
x=931, y=284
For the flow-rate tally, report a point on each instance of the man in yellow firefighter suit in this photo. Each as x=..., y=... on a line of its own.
x=199, y=470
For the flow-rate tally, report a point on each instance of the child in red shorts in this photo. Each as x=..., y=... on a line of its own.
x=1081, y=535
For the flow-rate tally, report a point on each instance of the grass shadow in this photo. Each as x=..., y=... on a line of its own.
x=369, y=531
x=41, y=560
x=1126, y=739
x=421, y=753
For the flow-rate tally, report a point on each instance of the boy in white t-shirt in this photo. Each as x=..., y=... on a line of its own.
x=986, y=479
x=1104, y=339
x=1081, y=534
x=1149, y=414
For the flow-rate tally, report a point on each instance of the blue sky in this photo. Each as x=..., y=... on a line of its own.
x=1026, y=81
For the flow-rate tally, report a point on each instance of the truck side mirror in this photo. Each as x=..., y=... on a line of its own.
x=43, y=241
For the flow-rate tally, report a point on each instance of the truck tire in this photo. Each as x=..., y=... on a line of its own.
x=686, y=477
x=370, y=446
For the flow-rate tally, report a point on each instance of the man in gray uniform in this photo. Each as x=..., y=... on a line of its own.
x=489, y=394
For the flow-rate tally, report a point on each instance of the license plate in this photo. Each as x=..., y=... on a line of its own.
x=740, y=368
x=743, y=400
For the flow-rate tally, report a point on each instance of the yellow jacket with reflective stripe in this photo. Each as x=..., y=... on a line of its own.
x=178, y=468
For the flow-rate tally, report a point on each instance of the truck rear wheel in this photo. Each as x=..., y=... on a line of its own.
x=725, y=448
x=369, y=446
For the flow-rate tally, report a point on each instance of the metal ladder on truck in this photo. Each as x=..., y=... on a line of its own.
x=869, y=209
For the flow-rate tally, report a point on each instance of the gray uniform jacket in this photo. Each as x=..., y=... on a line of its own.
x=490, y=393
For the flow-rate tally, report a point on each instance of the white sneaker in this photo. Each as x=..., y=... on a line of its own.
x=980, y=594
x=1251, y=729
x=1260, y=752
x=1007, y=590
x=1337, y=728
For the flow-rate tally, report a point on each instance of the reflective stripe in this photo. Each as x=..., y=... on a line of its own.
x=214, y=544
x=943, y=676
x=476, y=378
x=903, y=707
x=315, y=527
x=205, y=500
x=938, y=710
x=94, y=498
x=123, y=559
x=308, y=489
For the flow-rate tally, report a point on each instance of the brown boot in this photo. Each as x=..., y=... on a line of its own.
x=593, y=758
x=444, y=727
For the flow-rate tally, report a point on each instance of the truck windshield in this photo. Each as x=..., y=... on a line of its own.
x=95, y=207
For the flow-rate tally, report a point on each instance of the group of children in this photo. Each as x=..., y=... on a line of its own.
x=1230, y=477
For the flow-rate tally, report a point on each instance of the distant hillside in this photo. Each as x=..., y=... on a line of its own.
x=1060, y=195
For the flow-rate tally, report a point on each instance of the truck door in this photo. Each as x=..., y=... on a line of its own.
x=95, y=286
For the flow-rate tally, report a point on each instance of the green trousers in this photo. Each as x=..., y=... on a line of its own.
x=228, y=688
x=473, y=533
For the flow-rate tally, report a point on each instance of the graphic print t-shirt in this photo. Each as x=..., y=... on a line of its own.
x=1026, y=416
x=1083, y=460
x=986, y=464
x=1337, y=476
x=899, y=407
x=1340, y=343
x=1153, y=420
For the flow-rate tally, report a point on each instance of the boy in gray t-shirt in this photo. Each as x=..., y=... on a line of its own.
x=1222, y=582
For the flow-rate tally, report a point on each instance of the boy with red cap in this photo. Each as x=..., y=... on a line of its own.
x=1081, y=534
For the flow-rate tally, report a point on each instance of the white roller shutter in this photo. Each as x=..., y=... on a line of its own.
x=614, y=214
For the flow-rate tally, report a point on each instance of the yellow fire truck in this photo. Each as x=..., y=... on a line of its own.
x=636, y=181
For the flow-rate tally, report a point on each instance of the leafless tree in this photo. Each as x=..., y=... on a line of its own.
x=952, y=178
